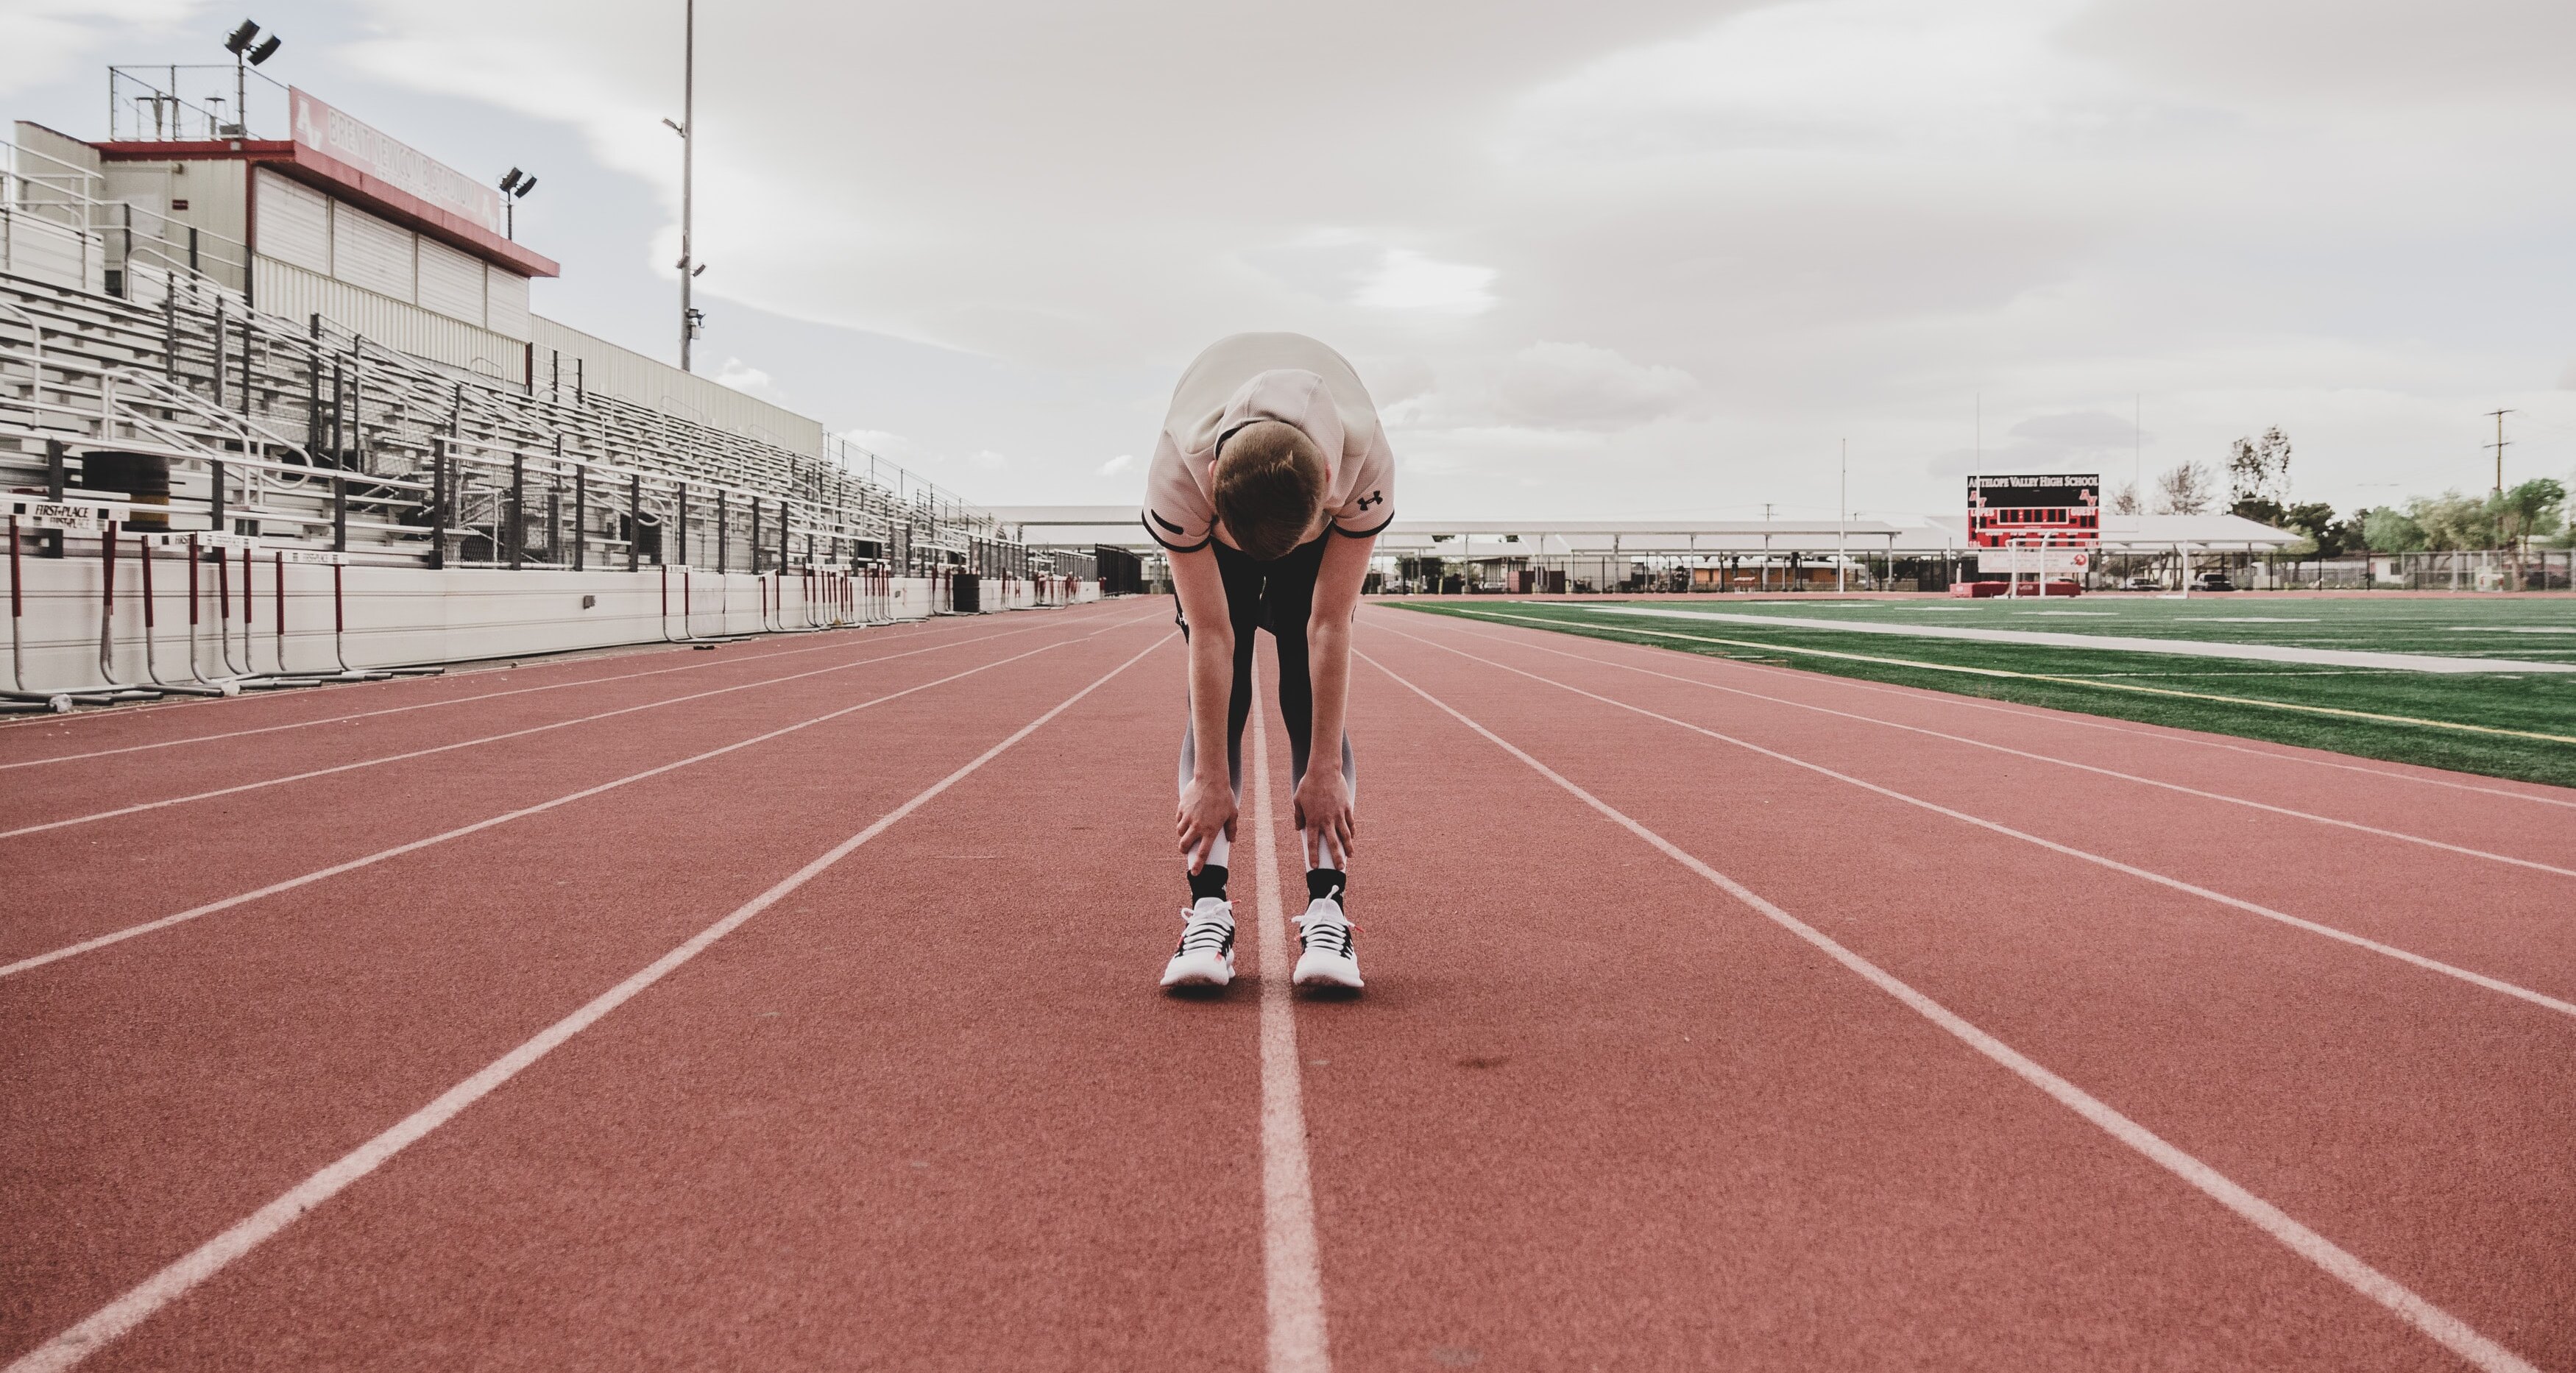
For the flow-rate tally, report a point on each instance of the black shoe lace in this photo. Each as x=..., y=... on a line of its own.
x=1333, y=935
x=1217, y=935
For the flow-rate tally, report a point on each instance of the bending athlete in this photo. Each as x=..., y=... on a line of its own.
x=1270, y=484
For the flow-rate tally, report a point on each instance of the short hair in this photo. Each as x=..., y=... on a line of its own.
x=1269, y=484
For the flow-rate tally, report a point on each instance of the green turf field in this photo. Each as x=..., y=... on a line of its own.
x=2506, y=724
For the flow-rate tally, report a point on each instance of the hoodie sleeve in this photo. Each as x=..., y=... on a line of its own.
x=1371, y=505
x=1177, y=512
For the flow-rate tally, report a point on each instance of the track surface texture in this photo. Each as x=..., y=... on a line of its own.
x=791, y=1006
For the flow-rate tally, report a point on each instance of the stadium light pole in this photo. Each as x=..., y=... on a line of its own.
x=688, y=129
x=1842, y=519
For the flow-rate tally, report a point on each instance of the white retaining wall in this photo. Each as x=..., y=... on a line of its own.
x=406, y=616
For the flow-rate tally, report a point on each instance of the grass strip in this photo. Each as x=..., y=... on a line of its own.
x=2498, y=750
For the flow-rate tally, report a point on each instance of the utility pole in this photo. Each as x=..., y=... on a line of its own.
x=1842, y=518
x=2498, y=417
x=688, y=169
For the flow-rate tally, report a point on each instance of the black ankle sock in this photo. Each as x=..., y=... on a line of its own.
x=1326, y=884
x=1208, y=881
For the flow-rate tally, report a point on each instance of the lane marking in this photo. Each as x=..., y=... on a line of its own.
x=235, y=790
x=1291, y=1268
x=2189, y=648
x=138, y=1304
x=2493, y=984
x=36, y=961
x=2533, y=864
x=2034, y=677
x=2448, y=1330
x=423, y=705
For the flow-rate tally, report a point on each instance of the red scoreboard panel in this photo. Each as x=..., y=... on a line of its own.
x=2055, y=511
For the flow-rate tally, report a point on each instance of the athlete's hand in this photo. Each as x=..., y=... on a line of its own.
x=1207, y=810
x=1324, y=812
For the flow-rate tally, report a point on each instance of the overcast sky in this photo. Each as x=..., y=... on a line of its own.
x=1612, y=258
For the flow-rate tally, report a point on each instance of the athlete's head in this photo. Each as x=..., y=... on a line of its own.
x=1269, y=486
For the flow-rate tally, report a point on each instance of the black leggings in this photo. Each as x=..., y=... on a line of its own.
x=1278, y=596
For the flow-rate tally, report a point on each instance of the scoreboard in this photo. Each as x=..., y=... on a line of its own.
x=2054, y=511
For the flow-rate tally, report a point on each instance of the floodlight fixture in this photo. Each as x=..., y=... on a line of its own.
x=698, y=271
x=241, y=38
x=515, y=185
x=266, y=50
x=674, y=126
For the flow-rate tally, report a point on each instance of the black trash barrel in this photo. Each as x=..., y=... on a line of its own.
x=142, y=477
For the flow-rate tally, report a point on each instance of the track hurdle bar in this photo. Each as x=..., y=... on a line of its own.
x=67, y=516
x=151, y=627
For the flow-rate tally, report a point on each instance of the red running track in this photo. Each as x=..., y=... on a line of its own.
x=1719, y=1017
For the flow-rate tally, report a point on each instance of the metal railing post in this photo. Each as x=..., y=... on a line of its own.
x=518, y=507
x=634, y=504
x=438, y=487
x=580, y=517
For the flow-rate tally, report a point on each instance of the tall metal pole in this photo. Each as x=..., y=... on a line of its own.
x=1842, y=516
x=688, y=167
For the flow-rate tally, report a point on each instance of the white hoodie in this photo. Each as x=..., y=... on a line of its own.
x=1249, y=377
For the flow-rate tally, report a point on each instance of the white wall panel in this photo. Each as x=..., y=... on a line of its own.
x=294, y=223
x=506, y=303
x=296, y=293
x=370, y=253
x=451, y=282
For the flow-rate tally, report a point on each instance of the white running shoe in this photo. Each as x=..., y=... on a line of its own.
x=1329, y=960
x=1206, y=955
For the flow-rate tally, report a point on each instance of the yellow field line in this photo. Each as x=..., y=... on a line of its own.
x=2022, y=676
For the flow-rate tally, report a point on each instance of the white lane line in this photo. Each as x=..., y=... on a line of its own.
x=235, y=790
x=36, y=961
x=2356, y=825
x=2067, y=719
x=1292, y=1271
x=2541, y=999
x=123, y=1314
x=697, y=666
x=2450, y=1331
x=2191, y=648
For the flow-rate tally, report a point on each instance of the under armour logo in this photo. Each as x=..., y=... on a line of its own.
x=1372, y=498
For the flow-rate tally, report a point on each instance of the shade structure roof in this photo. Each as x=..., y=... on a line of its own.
x=1543, y=536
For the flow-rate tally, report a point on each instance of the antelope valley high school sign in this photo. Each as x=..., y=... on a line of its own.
x=361, y=147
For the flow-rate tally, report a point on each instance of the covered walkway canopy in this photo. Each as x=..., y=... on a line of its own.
x=1543, y=537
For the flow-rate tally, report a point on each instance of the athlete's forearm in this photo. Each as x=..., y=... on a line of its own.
x=1328, y=661
x=1328, y=638
x=1211, y=682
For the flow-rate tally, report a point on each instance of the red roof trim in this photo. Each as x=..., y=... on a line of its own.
x=339, y=178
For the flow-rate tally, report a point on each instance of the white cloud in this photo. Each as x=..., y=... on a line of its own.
x=1407, y=280
x=749, y=380
x=1579, y=386
x=1668, y=255
x=1124, y=462
x=52, y=39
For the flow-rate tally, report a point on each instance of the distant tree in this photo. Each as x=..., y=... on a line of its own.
x=2327, y=537
x=2187, y=489
x=2387, y=530
x=2261, y=510
x=2125, y=500
x=2529, y=511
x=2526, y=512
x=2258, y=470
x=2451, y=521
